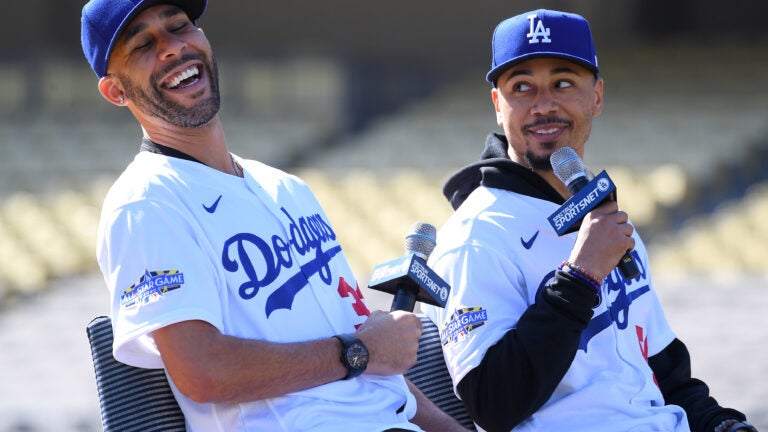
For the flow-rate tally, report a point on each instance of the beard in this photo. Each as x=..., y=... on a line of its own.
x=539, y=162
x=152, y=101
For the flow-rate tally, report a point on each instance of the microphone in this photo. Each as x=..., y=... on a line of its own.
x=569, y=168
x=408, y=277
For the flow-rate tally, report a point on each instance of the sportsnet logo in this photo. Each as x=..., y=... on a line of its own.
x=150, y=287
x=461, y=323
x=595, y=192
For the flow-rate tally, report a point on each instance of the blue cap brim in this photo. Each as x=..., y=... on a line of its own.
x=496, y=72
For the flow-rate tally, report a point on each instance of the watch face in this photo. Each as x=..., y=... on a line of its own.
x=357, y=356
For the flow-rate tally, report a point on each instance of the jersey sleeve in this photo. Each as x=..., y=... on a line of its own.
x=159, y=271
x=486, y=302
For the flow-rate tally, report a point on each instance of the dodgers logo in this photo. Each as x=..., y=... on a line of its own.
x=264, y=260
x=619, y=309
x=537, y=31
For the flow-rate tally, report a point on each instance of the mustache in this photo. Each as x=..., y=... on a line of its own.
x=547, y=120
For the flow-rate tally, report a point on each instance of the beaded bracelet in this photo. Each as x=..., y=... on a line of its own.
x=582, y=274
x=742, y=425
x=725, y=425
x=734, y=425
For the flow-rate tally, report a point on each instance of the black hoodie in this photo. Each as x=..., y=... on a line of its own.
x=519, y=373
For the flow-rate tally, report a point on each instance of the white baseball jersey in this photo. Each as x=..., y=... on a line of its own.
x=257, y=258
x=496, y=252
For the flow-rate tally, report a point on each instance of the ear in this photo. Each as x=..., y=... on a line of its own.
x=598, y=105
x=112, y=91
x=495, y=99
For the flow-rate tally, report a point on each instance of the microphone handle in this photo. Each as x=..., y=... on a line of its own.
x=577, y=184
x=405, y=298
x=628, y=266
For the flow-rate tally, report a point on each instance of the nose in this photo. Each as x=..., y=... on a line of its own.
x=170, y=46
x=545, y=102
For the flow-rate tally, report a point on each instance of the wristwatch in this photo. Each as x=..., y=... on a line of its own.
x=354, y=355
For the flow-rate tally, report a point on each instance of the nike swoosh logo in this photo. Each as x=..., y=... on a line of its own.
x=529, y=243
x=213, y=206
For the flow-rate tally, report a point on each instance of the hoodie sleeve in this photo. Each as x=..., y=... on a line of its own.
x=672, y=367
x=519, y=373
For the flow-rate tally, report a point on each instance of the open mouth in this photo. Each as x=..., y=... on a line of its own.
x=546, y=131
x=184, y=78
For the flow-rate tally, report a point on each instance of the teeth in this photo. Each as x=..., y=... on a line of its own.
x=174, y=82
x=546, y=131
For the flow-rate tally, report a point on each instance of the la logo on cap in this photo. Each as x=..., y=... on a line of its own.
x=539, y=32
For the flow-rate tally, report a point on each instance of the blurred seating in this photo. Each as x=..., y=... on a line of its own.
x=733, y=239
x=372, y=213
x=68, y=88
x=643, y=195
x=659, y=137
x=13, y=88
x=45, y=238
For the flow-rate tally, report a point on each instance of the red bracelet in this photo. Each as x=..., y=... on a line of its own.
x=582, y=274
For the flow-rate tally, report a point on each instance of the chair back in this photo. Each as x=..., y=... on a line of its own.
x=431, y=375
x=132, y=399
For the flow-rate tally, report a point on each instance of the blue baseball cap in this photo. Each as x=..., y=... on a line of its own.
x=542, y=33
x=103, y=21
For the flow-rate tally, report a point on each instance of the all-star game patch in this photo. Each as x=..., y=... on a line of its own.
x=462, y=322
x=151, y=287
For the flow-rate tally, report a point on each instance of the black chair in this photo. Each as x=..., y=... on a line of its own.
x=140, y=400
x=132, y=399
x=431, y=375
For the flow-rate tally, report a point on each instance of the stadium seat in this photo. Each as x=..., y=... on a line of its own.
x=140, y=400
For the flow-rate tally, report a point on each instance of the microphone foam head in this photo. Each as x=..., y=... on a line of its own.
x=421, y=239
x=567, y=165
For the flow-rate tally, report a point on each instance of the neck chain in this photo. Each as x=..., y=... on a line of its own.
x=235, y=167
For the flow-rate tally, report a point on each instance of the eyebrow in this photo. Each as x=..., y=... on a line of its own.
x=131, y=31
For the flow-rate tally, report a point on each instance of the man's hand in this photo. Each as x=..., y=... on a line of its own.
x=392, y=339
x=605, y=235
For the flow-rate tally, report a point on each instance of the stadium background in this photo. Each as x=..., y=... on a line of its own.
x=375, y=105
